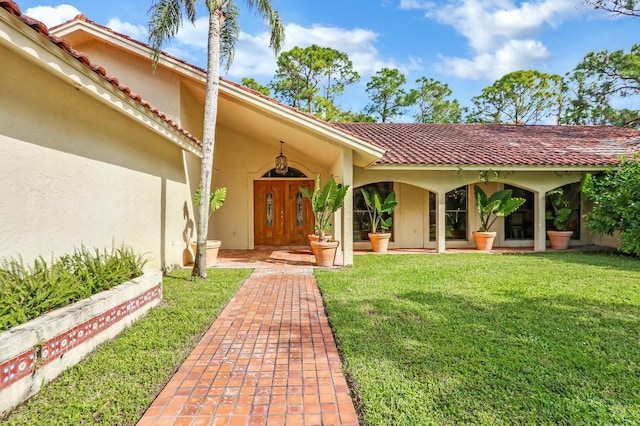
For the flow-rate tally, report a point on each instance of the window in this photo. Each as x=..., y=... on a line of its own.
x=361, y=222
x=291, y=173
x=572, y=193
x=456, y=214
x=519, y=224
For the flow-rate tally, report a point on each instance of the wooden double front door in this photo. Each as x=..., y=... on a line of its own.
x=281, y=215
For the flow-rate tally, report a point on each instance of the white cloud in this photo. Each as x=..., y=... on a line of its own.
x=496, y=29
x=194, y=35
x=52, y=15
x=254, y=58
x=513, y=55
x=138, y=32
x=416, y=4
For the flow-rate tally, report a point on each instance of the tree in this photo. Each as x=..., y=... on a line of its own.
x=251, y=83
x=521, y=97
x=434, y=107
x=354, y=117
x=616, y=203
x=618, y=7
x=311, y=78
x=388, y=97
x=599, y=78
x=165, y=20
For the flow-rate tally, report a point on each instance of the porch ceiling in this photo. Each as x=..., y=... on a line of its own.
x=269, y=121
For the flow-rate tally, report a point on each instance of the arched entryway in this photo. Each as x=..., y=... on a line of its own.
x=281, y=215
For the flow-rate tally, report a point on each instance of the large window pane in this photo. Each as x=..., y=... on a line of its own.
x=361, y=222
x=519, y=224
x=572, y=193
x=456, y=214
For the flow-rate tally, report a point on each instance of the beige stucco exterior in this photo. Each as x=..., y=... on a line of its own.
x=81, y=163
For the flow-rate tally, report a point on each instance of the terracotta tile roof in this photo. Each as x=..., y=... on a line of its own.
x=39, y=27
x=494, y=144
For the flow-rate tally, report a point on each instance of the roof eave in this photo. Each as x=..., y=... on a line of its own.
x=365, y=154
x=130, y=45
x=42, y=52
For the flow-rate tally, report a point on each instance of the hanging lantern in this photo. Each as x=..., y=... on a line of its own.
x=281, y=162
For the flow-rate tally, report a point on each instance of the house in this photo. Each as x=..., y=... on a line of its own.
x=112, y=166
x=83, y=159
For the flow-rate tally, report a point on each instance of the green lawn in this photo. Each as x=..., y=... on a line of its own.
x=115, y=385
x=548, y=338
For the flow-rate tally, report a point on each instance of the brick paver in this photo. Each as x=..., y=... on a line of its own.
x=269, y=359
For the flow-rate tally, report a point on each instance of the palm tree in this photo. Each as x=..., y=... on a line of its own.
x=165, y=21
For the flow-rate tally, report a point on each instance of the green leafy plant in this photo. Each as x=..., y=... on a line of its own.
x=325, y=201
x=616, y=198
x=561, y=210
x=500, y=204
x=216, y=198
x=379, y=211
x=27, y=292
x=115, y=384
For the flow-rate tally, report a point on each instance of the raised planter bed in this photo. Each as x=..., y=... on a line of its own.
x=36, y=352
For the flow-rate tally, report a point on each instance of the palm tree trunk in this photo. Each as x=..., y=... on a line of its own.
x=208, y=139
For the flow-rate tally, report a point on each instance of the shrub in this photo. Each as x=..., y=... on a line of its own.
x=28, y=292
x=616, y=197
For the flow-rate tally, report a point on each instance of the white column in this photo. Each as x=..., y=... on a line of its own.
x=539, y=231
x=441, y=222
x=347, y=210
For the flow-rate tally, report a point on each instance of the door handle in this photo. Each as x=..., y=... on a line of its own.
x=281, y=214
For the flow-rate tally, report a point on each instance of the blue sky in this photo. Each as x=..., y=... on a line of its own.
x=467, y=44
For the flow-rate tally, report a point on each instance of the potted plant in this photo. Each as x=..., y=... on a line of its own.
x=379, y=216
x=560, y=213
x=216, y=198
x=325, y=201
x=500, y=204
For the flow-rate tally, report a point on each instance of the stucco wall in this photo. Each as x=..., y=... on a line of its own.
x=160, y=88
x=77, y=172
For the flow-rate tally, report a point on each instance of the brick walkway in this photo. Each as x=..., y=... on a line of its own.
x=269, y=359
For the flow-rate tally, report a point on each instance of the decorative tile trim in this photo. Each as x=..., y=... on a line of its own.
x=15, y=369
x=25, y=364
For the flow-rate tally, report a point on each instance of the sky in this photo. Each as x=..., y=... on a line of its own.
x=467, y=44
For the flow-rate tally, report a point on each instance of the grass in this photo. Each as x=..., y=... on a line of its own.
x=115, y=385
x=548, y=338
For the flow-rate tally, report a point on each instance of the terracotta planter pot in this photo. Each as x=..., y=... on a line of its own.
x=325, y=252
x=559, y=239
x=484, y=240
x=315, y=237
x=213, y=246
x=379, y=242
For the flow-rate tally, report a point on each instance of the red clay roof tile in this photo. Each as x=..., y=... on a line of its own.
x=494, y=144
x=42, y=29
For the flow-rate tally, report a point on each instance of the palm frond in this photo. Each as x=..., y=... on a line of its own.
x=272, y=18
x=165, y=21
x=229, y=33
